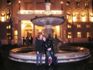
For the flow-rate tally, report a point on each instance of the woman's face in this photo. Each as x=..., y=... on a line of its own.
x=41, y=37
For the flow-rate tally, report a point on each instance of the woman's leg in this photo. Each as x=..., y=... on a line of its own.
x=41, y=58
x=37, y=58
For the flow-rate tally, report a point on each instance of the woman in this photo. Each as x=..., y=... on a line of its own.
x=39, y=48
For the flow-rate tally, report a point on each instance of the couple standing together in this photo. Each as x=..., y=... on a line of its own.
x=44, y=45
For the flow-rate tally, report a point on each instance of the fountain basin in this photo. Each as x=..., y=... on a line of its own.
x=48, y=20
x=65, y=55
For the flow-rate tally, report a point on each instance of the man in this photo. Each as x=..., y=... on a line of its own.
x=50, y=56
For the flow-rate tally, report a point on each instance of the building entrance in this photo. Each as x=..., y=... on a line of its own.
x=28, y=29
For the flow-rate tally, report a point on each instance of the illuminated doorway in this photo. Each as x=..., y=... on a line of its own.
x=27, y=29
x=57, y=30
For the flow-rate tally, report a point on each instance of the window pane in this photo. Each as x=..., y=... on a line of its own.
x=78, y=26
x=78, y=34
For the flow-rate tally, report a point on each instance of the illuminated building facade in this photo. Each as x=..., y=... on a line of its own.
x=78, y=14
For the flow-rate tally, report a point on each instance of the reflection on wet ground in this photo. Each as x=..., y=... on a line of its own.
x=6, y=64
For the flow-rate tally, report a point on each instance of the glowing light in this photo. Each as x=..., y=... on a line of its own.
x=25, y=22
x=81, y=48
x=69, y=36
x=70, y=20
x=57, y=28
x=83, y=18
x=40, y=30
x=74, y=18
x=48, y=5
x=9, y=27
x=78, y=26
x=79, y=34
x=23, y=26
x=91, y=18
x=15, y=32
x=88, y=34
x=4, y=16
x=41, y=12
x=19, y=1
x=3, y=19
x=61, y=2
x=68, y=26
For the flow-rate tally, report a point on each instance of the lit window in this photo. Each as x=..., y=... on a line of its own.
x=74, y=18
x=78, y=26
x=69, y=32
x=8, y=27
x=87, y=26
x=8, y=34
x=69, y=17
x=88, y=34
x=91, y=18
x=3, y=17
x=15, y=32
x=69, y=35
x=68, y=26
x=79, y=34
x=83, y=18
x=16, y=36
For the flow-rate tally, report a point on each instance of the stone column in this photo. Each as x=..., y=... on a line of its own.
x=48, y=30
x=61, y=31
x=34, y=31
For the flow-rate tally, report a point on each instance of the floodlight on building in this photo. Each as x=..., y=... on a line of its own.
x=91, y=17
x=74, y=18
x=4, y=17
x=83, y=18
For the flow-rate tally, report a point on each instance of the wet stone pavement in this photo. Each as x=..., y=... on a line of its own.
x=6, y=64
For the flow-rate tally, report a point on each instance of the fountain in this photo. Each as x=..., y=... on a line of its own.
x=65, y=55
x=68, y=58
x=48, y=22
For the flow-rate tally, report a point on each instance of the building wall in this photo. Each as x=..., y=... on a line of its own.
x=71, y=8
